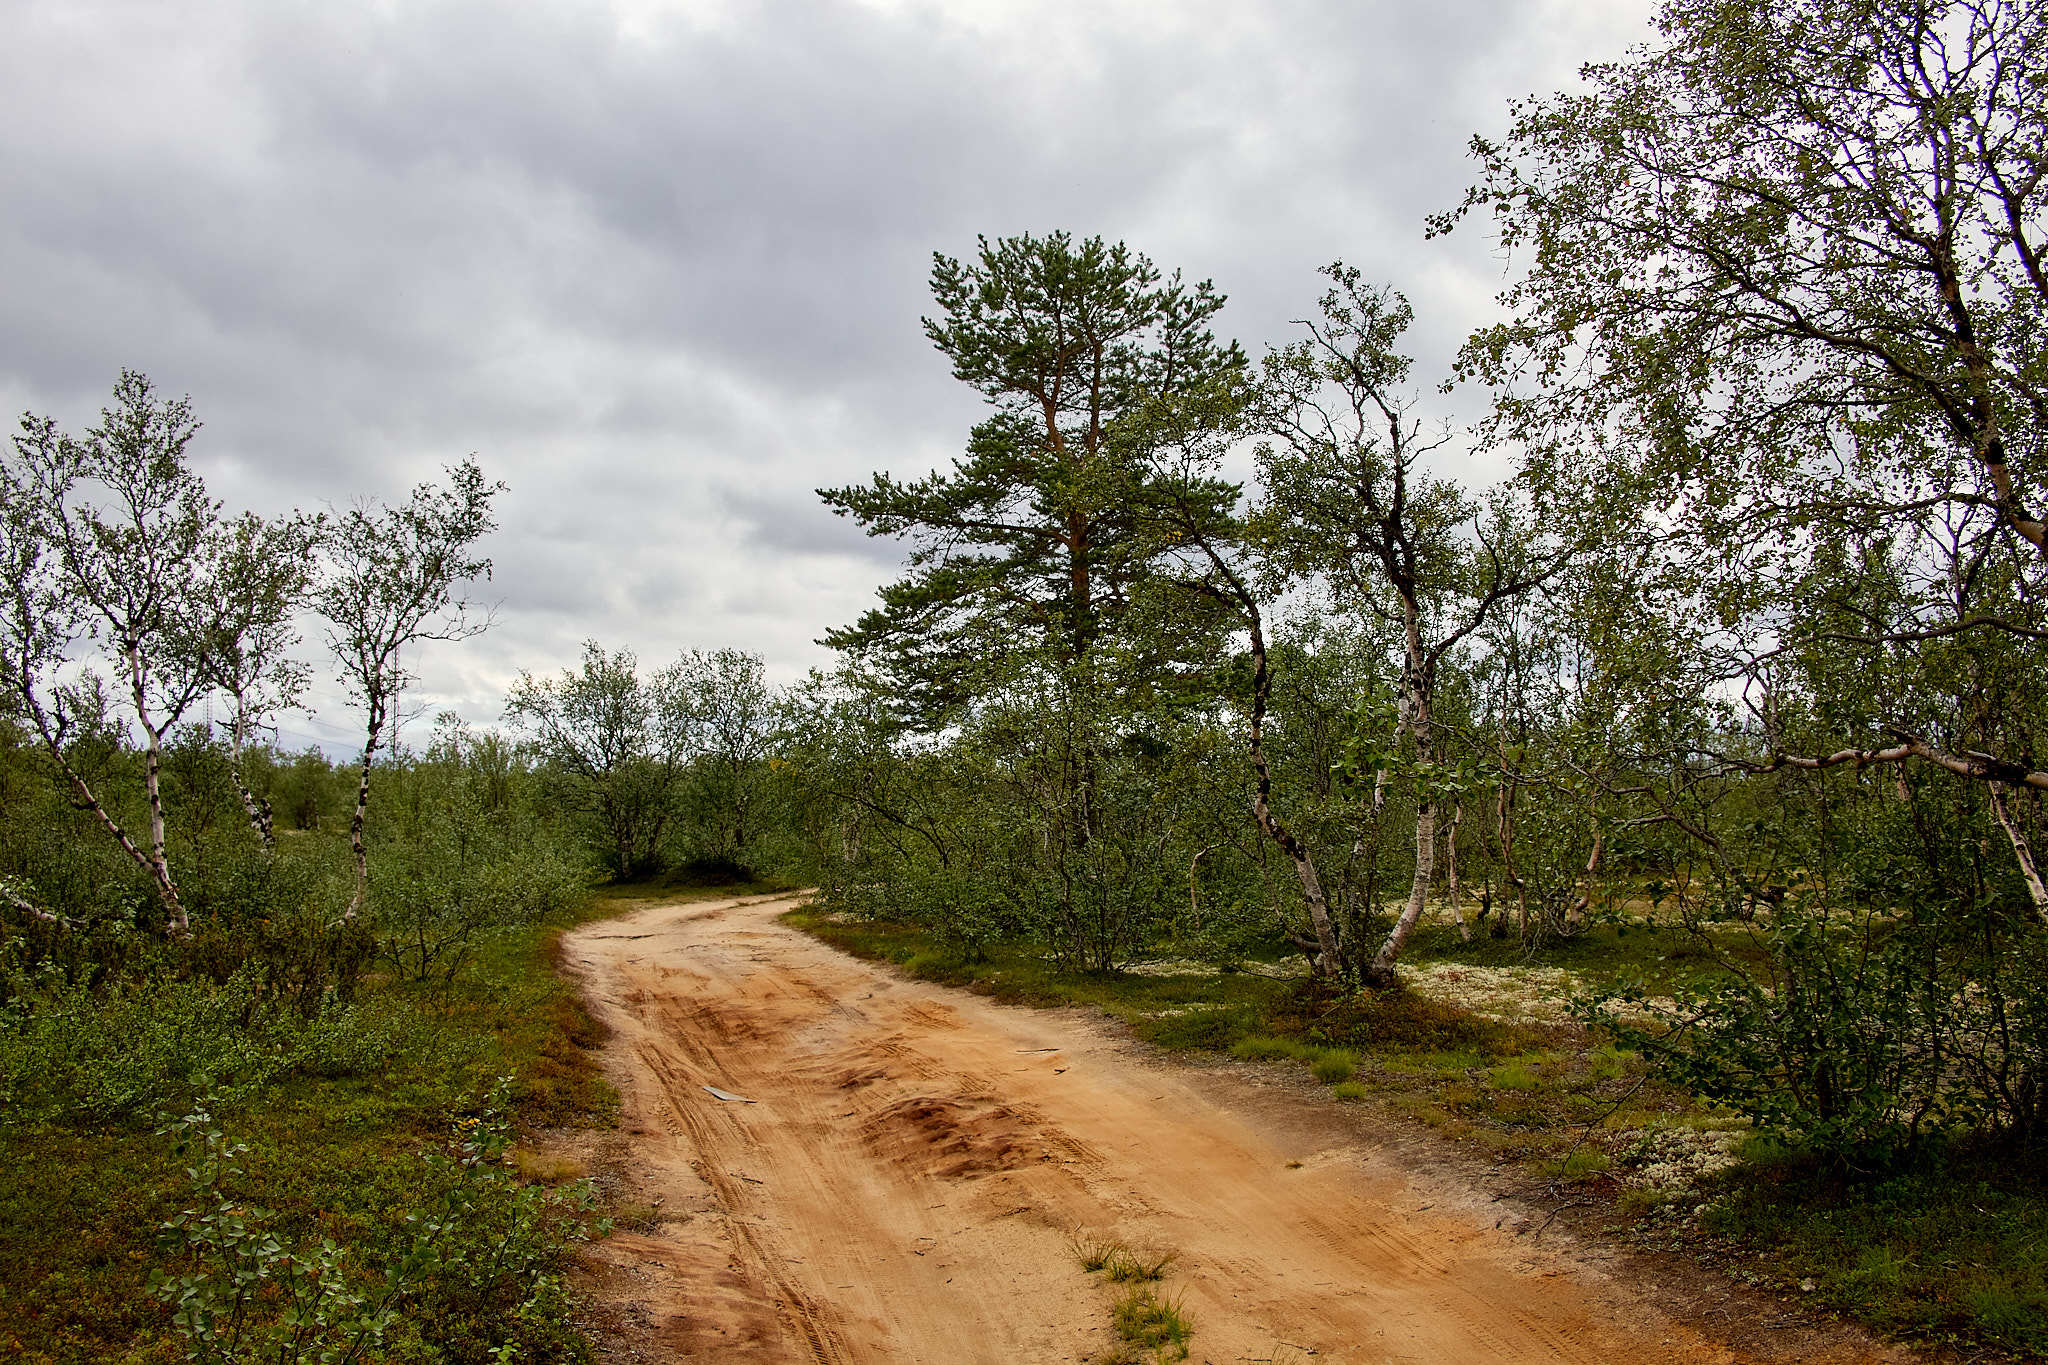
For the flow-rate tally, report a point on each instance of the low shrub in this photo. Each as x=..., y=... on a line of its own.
x=473, y=1274
x=72, y=1054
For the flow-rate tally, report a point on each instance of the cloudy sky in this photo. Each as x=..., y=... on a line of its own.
x=660, y=265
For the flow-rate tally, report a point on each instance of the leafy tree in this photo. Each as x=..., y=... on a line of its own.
x=262, y=572
x=107, y=535
x=393, y=582
x=733, y=717
x=1347, y=498
x=1782, y=329
x=620, y=743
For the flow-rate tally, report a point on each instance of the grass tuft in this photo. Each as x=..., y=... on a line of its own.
x=1091, y=1251
x=1261, y=1048
x=546, y=1168
x=1150, y=1323
x=1117, y=1261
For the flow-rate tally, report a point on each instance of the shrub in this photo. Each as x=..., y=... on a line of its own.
x=472, y=1276
x=129, y=1051
x=1862, y=1036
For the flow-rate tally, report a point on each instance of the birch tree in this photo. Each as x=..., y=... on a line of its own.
x=40, y=626
x=1782, y=322
x=620, y=742
x=260, y=573
x=733, y=716
x=108, y=535
x=394, y=580
x=1347, y=496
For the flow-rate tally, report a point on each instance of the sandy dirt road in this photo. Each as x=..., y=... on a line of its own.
x=906, y=1182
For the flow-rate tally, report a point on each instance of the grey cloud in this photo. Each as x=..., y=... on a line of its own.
x=665, y=277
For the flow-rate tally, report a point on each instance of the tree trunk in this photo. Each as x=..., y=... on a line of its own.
x=258, y=810
x=375, y=707
x=1194, y=866
x=1451, y=867
x=88, y=800
x=2021, y=849
x=1416, y=716
x=1381, y=972
x=177, y=922
x=1329, y=958
x=28, y=907
x=1576, y=915
x=1506, y=828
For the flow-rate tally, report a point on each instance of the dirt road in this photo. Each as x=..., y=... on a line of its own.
x=906, y=1182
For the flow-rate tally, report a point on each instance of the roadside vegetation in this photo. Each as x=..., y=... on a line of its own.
x=277, y=1034
x=257, y=1148
x=1942, y=1251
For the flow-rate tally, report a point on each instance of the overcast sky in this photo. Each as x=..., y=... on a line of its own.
x=661, y=265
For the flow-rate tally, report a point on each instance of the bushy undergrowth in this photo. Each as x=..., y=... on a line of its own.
x=72, y=1054
x=471, y=1271
x=341, y=1114
x=1860, y=1036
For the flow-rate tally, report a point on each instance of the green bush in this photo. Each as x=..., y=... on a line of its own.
x=68, y=1053
x=1862, y=1035
x=472, y=1274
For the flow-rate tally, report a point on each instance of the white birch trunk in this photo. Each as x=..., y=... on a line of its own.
x=1451, y=868
x=2022, y=850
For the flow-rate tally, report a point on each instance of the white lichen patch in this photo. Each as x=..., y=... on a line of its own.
x=1677, y=1161
x=1510, y=995
x=1172, y=966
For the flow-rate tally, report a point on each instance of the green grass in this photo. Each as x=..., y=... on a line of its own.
x=1329, y=1065
x=1188, y=1013
x=1514, y=1075
x=1150, y=1326
x=1117, y=1262
x=1953, y=1250
x=332, y=1155
x=1957, y=1253
x=1260, y=1048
